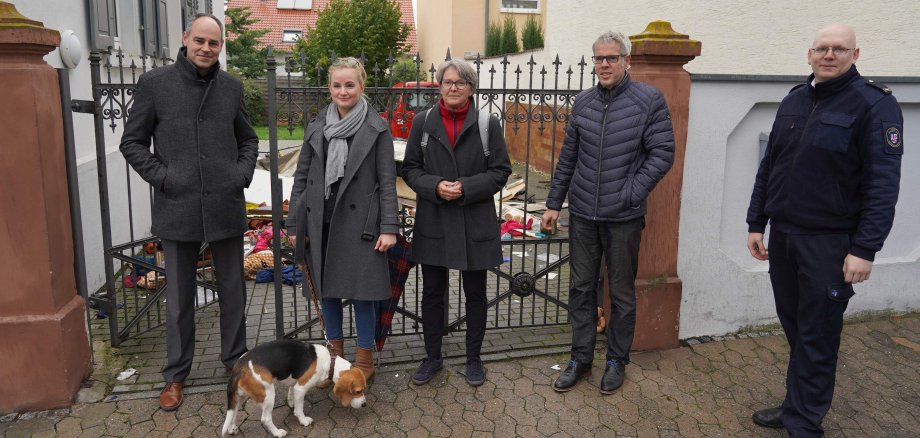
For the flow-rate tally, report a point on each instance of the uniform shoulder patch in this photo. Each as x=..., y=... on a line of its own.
x=894, y=140
x=882, y=87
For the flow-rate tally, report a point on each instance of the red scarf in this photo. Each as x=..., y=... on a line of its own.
x=453, y=120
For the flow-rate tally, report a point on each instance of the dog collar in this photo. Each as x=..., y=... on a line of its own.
x=331, y=367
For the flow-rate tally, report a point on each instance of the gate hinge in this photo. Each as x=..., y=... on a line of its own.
x=83, y=106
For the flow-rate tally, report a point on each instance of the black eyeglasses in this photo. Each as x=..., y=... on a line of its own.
x=447, y=85
x=611, y=59
x=838, y=51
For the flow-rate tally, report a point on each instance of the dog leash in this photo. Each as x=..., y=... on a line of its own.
x=306, y=272
x=305, y=267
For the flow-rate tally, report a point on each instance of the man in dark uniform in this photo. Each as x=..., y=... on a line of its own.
x=204, y=154
x=828, y=185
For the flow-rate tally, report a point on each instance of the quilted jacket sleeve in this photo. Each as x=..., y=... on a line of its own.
x=658, y=142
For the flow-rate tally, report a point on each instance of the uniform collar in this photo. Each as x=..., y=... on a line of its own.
x=833, y=86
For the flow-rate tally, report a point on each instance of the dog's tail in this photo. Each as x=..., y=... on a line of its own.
x=232, y=399
x=233, y=385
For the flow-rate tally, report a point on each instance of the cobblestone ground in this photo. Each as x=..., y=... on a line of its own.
x=704, y=389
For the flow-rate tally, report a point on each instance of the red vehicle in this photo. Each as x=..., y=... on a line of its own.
x=407, y=99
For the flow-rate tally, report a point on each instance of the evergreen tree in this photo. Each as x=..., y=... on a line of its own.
x=494, y=40
x=243, y=58
x=532, y=34
x=509, y=37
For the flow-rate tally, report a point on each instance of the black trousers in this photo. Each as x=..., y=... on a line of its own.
x=181, y=290
x=618, y=244
x=434, y=294
x=807, y=276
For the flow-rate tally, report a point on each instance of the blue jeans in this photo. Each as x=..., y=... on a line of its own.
x=365, y=320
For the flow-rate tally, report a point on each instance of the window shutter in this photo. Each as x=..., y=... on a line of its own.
x=150, y=29
x=163, y=29
x=103, y=27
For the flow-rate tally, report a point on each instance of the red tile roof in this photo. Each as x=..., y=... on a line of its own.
x=278, y=20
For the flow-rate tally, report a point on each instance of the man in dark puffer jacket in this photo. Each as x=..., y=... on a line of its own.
x=618, y=145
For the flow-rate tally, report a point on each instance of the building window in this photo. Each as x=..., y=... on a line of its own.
x=521, y=6
x=303, y=5
x=290, y=36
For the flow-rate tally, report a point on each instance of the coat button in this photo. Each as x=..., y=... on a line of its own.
x=308, y=209
x=201, y=119
x=352, y=206
x=204, y=157
x=207, y=193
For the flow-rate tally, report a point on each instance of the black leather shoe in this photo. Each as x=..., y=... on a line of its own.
x=573, y=374
x=613, y=377
x=770, y=417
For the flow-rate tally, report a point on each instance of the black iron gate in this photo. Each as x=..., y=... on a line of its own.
x=133, y=298
x=529, y=289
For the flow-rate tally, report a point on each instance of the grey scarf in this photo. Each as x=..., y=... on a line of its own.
x=336, y=131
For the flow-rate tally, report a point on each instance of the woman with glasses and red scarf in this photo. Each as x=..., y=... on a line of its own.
x=456, y=226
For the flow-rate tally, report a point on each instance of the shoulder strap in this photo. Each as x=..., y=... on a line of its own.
x=424, y=143
x=484, y=119
x=881, y=87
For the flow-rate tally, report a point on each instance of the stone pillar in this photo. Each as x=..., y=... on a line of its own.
x=44, y=348
x=658, y=56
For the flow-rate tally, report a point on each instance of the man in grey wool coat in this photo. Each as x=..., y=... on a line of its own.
x=204, y=155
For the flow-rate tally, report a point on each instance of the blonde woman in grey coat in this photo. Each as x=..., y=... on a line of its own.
x=344, y=200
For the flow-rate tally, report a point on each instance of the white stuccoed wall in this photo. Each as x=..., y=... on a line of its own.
x=724, y=288
x=744, y=36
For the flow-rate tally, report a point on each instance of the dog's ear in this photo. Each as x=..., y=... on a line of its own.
x=359, y=383
x=342, y=388
x=351, y=384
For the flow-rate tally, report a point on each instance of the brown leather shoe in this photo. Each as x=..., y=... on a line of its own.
x=337, y=347
x=171, y=397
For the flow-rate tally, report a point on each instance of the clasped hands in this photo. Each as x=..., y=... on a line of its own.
x=449, y=190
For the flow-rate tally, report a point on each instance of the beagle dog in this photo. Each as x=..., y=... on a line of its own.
x=294, y=363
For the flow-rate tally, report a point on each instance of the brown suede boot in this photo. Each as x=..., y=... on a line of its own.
x=364, y=361
x=336, y=348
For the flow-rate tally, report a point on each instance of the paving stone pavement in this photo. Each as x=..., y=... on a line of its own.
x=699, y=390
